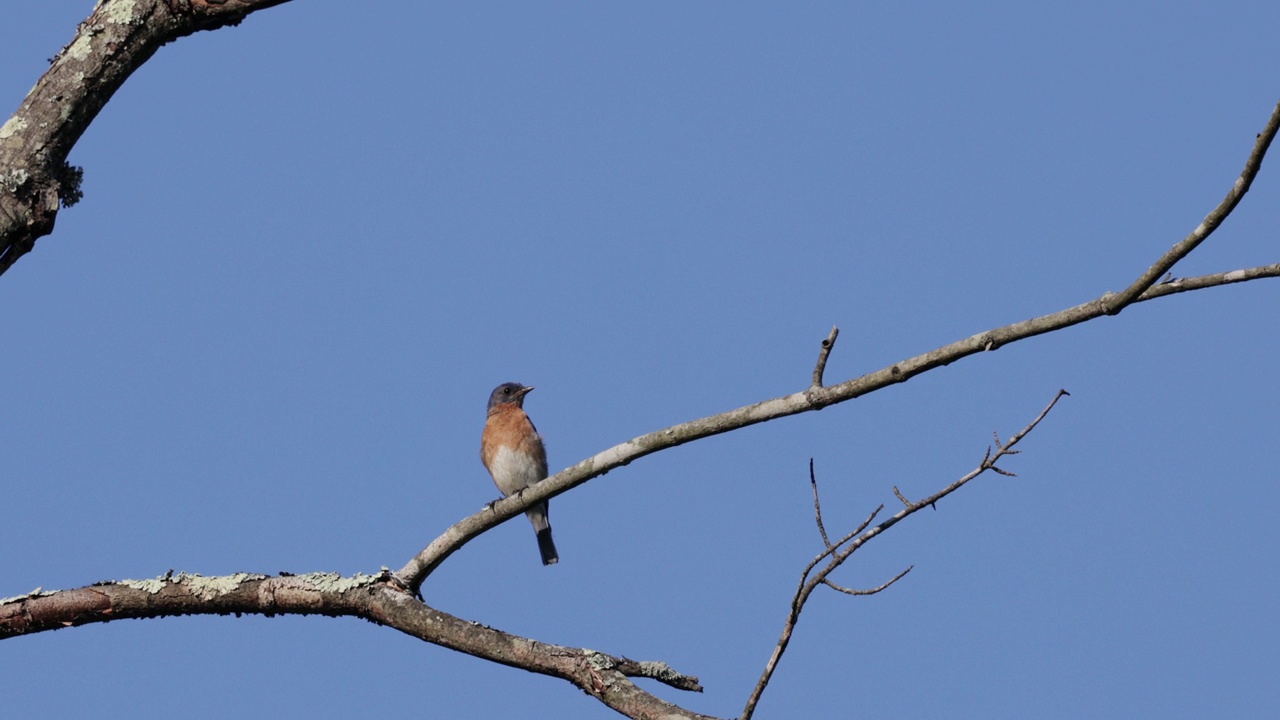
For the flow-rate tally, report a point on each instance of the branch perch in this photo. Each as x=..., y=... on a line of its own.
x=816, y=397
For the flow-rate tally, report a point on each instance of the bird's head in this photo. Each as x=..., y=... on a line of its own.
x=508, y=394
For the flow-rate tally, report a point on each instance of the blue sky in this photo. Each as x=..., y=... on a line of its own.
x=311, y=245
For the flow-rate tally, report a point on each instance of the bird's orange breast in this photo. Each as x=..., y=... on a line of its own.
x=510, y=428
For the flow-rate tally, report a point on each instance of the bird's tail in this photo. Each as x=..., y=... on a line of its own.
x=547, y=547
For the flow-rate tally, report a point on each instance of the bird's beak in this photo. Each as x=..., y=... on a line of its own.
x=525, y=390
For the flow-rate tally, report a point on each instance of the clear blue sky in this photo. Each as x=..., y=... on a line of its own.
x=311, y=245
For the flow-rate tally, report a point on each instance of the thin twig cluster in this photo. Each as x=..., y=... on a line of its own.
x=834, y=554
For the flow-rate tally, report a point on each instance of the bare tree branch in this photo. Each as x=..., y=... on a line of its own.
x=1180, y=285
x=872, y=591
x=115, y=40
x=817, y=397
x=1211, y=222
x=837, y=554
x=371, y=597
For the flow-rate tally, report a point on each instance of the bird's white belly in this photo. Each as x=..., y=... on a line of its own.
x=512, y=471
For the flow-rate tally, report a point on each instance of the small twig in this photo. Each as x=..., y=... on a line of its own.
x=1180, y=285
x=821, y=367
x=656, y=670
x=836, y=554
x=817, y=506
x=872, y=591
x=902, y=497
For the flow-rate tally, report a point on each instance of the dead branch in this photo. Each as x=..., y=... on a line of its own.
x=1211, y=222
x=872, y=591
x=836, y=555
x=371, y=597
x=114, y=41
x=817, y=396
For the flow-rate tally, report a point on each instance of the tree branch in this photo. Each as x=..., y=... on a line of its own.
x=837, y=554
x=818, y=396
x=872, y=591
x=371, y=597
x=1211, y=222
x=115, y=40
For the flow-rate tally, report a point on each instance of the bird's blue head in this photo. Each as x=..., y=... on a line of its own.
x=508, y=393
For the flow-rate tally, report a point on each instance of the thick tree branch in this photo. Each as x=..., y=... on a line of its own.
x=116, y=39
x=836, y=554
x=371, y=597
x=818, y=396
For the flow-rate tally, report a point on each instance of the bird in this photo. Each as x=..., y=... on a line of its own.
x=512, y=452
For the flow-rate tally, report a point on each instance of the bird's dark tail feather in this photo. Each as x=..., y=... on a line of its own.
x=547, y=547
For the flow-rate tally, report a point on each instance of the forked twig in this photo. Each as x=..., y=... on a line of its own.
x=1131, y=294
x=836, y=554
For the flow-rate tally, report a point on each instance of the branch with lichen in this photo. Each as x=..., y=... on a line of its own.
x=114, y=41
x=372, y=597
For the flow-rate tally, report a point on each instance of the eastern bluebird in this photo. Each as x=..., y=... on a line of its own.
x=512, y=452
